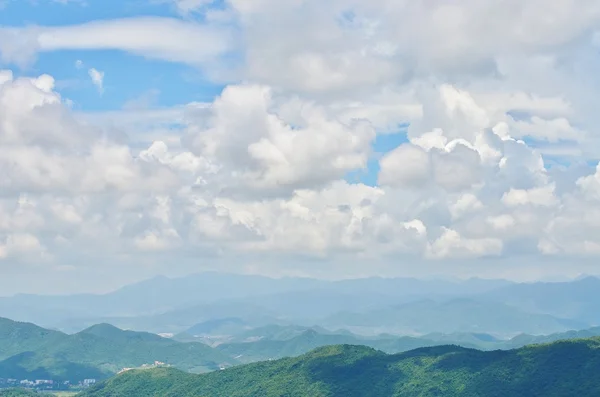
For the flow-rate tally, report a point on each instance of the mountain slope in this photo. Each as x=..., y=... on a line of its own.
x=524, y=339
x=579, y=300
x=97, y=352
x=17, y=393
x=557, y=369
x=146, y=298
x=268, y=349
x=456, y=315
x=17, y=337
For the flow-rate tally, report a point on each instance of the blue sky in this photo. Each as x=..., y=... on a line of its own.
x=264, y=170
x=131, y=79
x=127, y=77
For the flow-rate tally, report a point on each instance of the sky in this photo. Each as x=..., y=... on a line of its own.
x=297, y=138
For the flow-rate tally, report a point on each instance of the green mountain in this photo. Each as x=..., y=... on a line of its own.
x=309, y=339
x=276, y=341
x=563, y=368
x=18, y=337
x=17, y=393
x=524, y=339
x=28, y=351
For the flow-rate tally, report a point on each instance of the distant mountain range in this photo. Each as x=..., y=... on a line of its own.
x=456, y=315
x=151, y=304
x=370, y=306
x=557, y=369
x=578, y=300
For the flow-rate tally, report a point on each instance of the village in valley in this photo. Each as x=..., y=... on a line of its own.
x=65, y=385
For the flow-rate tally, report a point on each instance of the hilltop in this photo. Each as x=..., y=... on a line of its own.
x=556, y=369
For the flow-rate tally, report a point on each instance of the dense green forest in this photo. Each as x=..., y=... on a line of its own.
x=17, y=393
x=563, y=368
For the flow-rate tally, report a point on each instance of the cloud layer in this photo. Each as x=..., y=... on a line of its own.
x=500, y=158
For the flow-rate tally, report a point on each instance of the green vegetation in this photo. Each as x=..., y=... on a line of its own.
x=28, y=351
x=276, y=341
x=556, y=369
x=267, y=349
x=17, y=393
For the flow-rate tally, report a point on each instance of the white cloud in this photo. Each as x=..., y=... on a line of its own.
x=452, y=244
x=358, y=44
x=466, y=203
x=97, y=79
x=24, y=244
x=406, y=165
x=274, y=154
x=152, y=37
x=275, y=188
x=541, y=196
x=498, y=113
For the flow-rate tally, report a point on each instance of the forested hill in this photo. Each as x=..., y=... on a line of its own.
x=564, y=368
x=30, y=352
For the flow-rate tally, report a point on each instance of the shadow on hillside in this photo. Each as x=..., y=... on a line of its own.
x=538, y=371
x=356, y=378
x=28, y=365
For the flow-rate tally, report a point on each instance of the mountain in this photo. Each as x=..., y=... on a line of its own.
x=524, y=339
x=456, y=315
x=31, y=365
x=233, y=330
x=17, y=393
x=412, y=287
x=142, y=304
x=146, y=298
x=268, y=349
x=578, y=300
x=28, y=351
x=16, y=337
x=563, y=368
x=282, y=332
x=275, y=342
x=180, y=320
x=222, y=326
x=370, y=305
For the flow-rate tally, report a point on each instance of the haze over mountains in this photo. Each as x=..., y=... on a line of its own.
x=213, y=321
x=99, y=352
x=365, y=306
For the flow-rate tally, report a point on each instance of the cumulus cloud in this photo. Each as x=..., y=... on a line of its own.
x=278, y=151
x=357, y=44
x=494, y=114
x=263, y=173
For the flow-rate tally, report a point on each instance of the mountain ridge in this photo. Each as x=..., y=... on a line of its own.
x=556, y=369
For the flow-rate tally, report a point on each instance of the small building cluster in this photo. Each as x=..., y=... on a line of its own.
x=45, y=384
